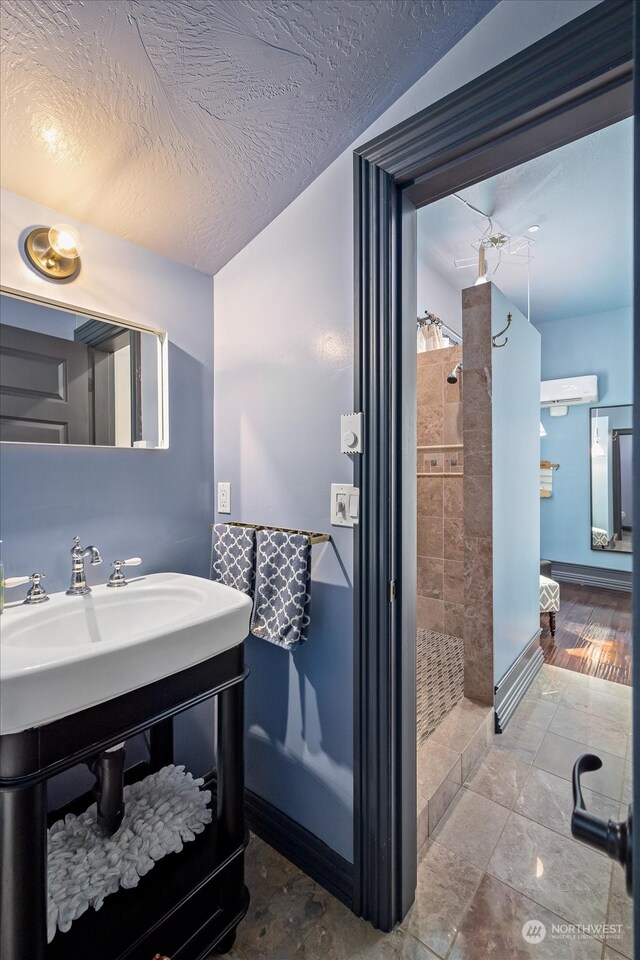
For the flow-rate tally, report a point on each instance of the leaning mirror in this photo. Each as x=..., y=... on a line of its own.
x=72, y=377
x=611, y=441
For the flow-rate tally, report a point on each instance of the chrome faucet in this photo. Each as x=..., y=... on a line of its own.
x=78, y=586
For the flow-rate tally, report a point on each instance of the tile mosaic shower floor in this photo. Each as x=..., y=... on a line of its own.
x=439, y=678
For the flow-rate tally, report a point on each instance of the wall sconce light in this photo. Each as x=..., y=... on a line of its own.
x=54, y=251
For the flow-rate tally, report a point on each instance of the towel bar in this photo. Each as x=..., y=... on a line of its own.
x=313, y=537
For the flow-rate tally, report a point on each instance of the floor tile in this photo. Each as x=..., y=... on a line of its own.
x=493, y=928
x=535, y=710
x=620, y=912
x=339, y=935
x=597, y=732
x=558, y=754
x=499, y=777
x=285, y=906
x=435, y=764
x=564, y=876
x=608, y=687
x=472, y=827
x=592, y=700
x=460, y=726
x=610, y=954
x=522, y=741
x=548, y=685
x=548, y=800
x=446, y=884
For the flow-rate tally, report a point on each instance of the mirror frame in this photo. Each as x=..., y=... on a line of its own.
x=163, y=368
x=609, y=406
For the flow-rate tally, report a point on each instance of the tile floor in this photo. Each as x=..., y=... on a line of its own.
x=502, y=855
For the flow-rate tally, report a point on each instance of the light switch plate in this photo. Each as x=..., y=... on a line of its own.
x=351, y=426
x=345, y=505
x=224, y=497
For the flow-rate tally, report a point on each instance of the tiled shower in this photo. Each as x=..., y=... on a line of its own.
x=440, y=595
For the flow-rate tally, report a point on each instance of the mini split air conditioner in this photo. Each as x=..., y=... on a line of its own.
x=559, y=395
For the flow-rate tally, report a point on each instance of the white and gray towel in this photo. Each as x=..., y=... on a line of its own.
x=233, y=556
x=282, y=588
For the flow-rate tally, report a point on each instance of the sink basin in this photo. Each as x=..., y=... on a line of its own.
x=74, y=652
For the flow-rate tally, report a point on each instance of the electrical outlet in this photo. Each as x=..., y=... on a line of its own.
x=224, y=498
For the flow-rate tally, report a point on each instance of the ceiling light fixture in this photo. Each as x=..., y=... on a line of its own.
x=54, y=251
x=534, y=228
x=482, y=266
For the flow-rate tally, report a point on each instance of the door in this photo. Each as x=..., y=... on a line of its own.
x=44, y=388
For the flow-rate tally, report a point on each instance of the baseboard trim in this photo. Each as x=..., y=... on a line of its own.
x=591, y=576
x=301, y=847
x=516, y=681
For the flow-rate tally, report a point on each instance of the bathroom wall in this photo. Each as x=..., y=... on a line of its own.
x=283, y=374
x=598, y=344
x=153, y=503
x=440, y=601
x=436, y=295
x=501, y=488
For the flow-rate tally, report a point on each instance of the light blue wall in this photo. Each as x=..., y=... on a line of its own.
x=598, y=344
x=515, y=425
x=156, y=504
x=283, y=375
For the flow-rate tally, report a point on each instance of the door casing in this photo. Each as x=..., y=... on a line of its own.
x=571, y=83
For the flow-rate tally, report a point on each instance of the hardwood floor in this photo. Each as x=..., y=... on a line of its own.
x=593, y=633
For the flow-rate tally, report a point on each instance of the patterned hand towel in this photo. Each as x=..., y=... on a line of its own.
x=233, y=551
x=283, y=582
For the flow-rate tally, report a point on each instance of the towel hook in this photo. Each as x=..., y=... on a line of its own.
x=503, y=331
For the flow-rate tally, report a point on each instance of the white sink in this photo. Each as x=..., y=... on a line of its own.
x=74, y=652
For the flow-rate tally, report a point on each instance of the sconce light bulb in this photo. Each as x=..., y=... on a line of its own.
x=65, y=240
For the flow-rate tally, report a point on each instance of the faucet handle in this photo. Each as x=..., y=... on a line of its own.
x=15, y=582
x=117, y=577
x=36, y=594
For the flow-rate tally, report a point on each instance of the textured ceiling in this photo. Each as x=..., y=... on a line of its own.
x=582, y=256
x=187, y=125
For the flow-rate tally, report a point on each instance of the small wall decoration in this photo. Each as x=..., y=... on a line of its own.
x=546, y=477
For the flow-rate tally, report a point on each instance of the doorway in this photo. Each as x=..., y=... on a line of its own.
x=574, y=82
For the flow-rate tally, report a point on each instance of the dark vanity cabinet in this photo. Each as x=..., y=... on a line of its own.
x=190, y=903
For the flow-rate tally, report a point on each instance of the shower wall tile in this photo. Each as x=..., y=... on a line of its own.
x=429, y=385
x=440, y=506
x=430, y=496
x=453, y=530
x=430, y=578
x=435, y=615
x=478, y=512
x=430, y=423
x=478, y=567
x=430, y=536
x=452, y=498
x=478, y=455
x=477, y=494
x=453, y=614
x=453, y=581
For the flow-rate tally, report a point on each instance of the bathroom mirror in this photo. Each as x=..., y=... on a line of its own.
x=611, y=439
x=68, y=376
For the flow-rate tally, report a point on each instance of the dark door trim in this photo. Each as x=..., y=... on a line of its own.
x=571, y=83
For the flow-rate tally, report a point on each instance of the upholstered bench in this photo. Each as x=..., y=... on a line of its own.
x=550, y=600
